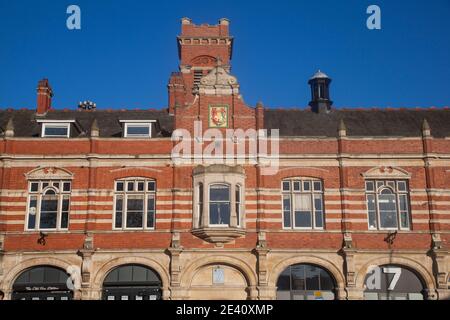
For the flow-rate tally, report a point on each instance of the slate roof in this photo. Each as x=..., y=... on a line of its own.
x=25, y=124
x=360, y=122
x=291, y=122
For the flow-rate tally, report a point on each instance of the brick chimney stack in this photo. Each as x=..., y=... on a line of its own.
x=44, y=96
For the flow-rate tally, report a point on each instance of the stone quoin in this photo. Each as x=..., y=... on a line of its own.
x=93, y=205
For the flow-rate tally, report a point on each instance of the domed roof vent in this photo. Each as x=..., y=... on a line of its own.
x=319, y=75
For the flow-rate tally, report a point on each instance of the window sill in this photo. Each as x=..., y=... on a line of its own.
x=218, y=234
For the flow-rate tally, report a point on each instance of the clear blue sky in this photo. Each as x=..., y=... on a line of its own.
x=124, y=53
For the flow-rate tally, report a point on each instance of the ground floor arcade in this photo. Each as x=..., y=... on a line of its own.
x=178, y=273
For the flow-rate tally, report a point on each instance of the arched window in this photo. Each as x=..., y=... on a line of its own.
x=219, y=205
x=387, y=205
x=135, y=204
x=305, y=282
x=302, y=204
x=42, y=283
x=48, y=205
x=393, y=282
x=132, y=282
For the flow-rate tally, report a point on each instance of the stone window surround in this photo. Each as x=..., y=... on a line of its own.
x=146, y=193
x=218, y=174
x=39, y=195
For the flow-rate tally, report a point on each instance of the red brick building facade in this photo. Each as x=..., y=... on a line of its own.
x=99, y=194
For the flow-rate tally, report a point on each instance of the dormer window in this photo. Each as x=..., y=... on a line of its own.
x=137, y=129
x=55, y=128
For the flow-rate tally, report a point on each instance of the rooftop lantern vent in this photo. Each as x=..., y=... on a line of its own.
x=87, y=105
x=320, y=92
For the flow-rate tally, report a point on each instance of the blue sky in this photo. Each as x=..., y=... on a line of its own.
x=124, y=53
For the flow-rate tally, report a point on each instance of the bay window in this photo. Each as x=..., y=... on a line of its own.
x=218, y=210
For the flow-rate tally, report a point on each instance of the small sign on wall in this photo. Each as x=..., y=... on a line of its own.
x=218, y=275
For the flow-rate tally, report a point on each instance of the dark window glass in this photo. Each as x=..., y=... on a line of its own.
x=318, y=210
x=219, y=213
x=370, y=186
x=140, y=186
x=287, y=211
x=49, y=212
x=317, y=186
x=401, y=186
x=119, y=186
x=34, y=187
x=238, y=204
x=326, y=282
x=303, y=211
x=119, y=208
x=298, y=277
x=286, y=185
x=404, y=212
x=219, y=193
x=130, y=186
x=219, y=206
x=65, y=213
x=150, y=212
x=135, y=211
x=303, y=280
x=66, y=186
x=151, y=186
x=200, y=203
x=284, y=280
x=56, y=131
x=312, y=275
x=306, y=186
x=135, y=130
x=388, y=209
x=32, y=213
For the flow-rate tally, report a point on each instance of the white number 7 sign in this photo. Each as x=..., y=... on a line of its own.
x=397, y=272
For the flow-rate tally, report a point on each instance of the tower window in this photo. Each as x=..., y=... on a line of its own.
x=198, y=74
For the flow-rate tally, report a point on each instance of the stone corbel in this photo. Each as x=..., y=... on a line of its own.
x=175, y=251
x=261, y=252
x=349, y=254
x=440, y=260
x=86, y=267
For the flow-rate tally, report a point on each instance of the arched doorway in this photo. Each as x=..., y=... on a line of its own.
x=393, y=282
x=305, y=282
x=132, y=282
x=42, y=283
